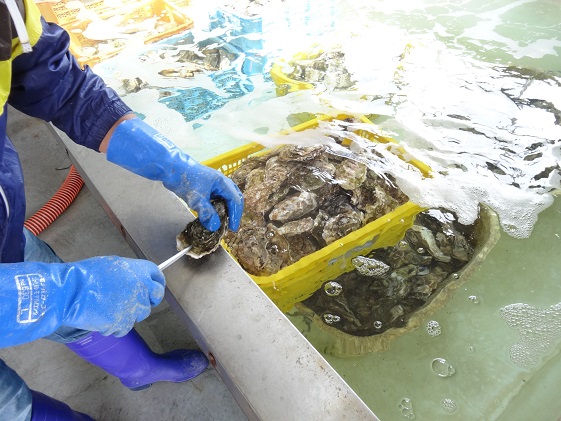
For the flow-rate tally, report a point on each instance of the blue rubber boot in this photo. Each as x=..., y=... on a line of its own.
x=131, y=360
x=44, y=408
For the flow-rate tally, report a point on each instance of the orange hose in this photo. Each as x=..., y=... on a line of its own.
x=57, y=204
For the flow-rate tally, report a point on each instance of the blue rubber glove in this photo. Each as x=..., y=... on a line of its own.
x=142, y=150
x=101, y=294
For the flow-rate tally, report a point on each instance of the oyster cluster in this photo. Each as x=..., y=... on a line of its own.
x=391, y=283
x=300, y=199
x=184, y=64
x=327, y=68
x=192, y=61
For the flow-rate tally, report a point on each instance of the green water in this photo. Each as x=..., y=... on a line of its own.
x=475, y=340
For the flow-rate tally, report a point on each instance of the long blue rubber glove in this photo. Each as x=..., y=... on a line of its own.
x=142, y=150
x=103, y=294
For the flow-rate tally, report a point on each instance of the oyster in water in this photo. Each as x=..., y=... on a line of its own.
x=203, y=241
x=391, y=284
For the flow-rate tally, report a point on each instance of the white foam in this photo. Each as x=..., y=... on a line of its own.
x=539, y=330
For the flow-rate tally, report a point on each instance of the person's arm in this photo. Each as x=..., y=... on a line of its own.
x=102, y=294
x=49, y=84
x=138, y=147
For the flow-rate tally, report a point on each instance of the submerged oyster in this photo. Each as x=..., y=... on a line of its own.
x=327, y=67
x=392, y=283
x=203, y=241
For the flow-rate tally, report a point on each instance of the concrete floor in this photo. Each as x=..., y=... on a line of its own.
x=84, y=231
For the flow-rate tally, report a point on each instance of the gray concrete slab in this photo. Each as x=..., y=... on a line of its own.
x=84, y=230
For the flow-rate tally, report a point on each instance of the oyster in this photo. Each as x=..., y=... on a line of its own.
x=294, y=207
x=203, y=241
x=302, y=153
x=299, y=199
x=351, y=174
x=390, y=284
x=340, y=225
x=257, y=249
x=327, y=67
x=180, y=72
x=370, y=267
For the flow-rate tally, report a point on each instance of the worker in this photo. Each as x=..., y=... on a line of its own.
x=90, y=305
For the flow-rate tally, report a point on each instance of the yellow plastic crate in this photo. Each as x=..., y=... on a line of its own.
x=298, y=281
x=286, y=84
x=62, y=12
x=74, y=22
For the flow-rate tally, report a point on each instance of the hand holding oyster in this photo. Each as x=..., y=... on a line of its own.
x=203, y=241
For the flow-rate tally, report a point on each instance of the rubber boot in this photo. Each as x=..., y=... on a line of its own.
x=45, y=408
x=131, y=360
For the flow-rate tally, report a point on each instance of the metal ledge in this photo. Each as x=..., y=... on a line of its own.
x=270, y=368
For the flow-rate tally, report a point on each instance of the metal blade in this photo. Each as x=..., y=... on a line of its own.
x=173, y=258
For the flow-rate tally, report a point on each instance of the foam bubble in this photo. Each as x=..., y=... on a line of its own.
x=442, y=368
x=449, y=405
x=433, y=328
x=332, y=288
x=331, y=318
x=405, y=406
x=474, y=299
x=539, y=330
x=518, y=209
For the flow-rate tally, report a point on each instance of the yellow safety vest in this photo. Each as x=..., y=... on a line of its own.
x=34, y=30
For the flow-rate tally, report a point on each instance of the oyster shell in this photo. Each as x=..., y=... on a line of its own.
x=340, y=225
x=390, y=284
x=294, y=207
x=300, y=199
x=327, y=67
x=203, y=241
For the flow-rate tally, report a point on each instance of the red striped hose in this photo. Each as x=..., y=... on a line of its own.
x=57, y=204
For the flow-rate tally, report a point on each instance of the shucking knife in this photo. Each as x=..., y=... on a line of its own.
x=173, y=258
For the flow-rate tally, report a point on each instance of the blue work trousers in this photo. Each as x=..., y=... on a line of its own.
x=15, y=396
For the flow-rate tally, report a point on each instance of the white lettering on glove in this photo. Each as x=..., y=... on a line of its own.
x=32, y=297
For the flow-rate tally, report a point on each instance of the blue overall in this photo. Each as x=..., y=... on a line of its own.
x=48, y=84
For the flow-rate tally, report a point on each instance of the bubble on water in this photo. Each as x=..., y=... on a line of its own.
x=471, y=349
x=433, y=328
x=331, y=318
x=449, y=405
x=377, y=324
x=455, y=275
x=539, y=330
x=442, y=368
x=474, y=299
x=332, y=288
x=405, y=406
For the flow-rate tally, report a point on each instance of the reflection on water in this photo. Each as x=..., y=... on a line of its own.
x=471, y=88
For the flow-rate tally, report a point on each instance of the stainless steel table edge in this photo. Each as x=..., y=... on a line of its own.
x=269, y=367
